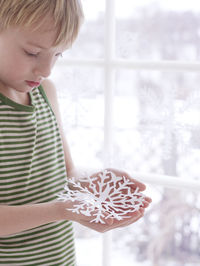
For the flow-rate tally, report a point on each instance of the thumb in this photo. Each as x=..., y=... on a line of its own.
x=109, y=221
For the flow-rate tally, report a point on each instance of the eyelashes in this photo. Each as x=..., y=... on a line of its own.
x=31, y=54
x=59, y=55
x=37, y=54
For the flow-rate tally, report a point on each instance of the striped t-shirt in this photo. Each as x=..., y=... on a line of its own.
x=32, y=170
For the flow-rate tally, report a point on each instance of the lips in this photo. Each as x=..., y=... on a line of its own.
x=32, y=84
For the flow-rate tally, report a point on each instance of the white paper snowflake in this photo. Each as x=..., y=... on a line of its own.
x=106, y=193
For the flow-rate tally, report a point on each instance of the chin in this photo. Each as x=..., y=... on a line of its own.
x=24, y=90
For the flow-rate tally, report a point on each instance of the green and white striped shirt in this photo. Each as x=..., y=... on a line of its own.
x=32, y=170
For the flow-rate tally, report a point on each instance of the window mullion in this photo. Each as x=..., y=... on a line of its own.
x=173, y=182
x=162, y=65
x=108, y=107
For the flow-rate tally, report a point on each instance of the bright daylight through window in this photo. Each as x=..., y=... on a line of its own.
x=146, y=84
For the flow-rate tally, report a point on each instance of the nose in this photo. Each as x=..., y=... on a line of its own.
x=43, y=69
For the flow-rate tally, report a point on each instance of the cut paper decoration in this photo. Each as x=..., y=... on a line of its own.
x=104, y=196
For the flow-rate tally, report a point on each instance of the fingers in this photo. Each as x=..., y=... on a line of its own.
x=146, y=202
x=105, y=222
x=148, y=199
x=134, y=217
x=111, y=223
x=138, y=184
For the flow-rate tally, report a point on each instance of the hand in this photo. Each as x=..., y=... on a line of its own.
x=117, y=172
x=138, y=184
x=110, y=223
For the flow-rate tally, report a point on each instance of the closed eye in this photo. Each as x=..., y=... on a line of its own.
x=59, y=55
x=31, y=54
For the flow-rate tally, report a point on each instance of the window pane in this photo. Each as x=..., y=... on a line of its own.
x=90, y=41
x=158, y=30
x=168, y=235
x=81, y=100
x=157, y=123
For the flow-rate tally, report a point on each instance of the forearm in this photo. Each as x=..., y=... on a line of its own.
x=79, y=174
x=14, y=219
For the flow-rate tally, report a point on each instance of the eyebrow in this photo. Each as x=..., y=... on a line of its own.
x=37, y=45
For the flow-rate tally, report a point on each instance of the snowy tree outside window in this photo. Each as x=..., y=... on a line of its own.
x=155, y=100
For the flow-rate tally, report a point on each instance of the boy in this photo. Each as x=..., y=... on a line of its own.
x=34, y=155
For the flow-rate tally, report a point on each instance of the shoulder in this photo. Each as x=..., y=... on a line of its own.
x=50, y=91
x=49, y=88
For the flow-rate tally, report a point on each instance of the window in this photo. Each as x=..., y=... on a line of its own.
x=130, y=98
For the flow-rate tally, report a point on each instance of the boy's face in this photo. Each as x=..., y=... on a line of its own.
x=27, y=57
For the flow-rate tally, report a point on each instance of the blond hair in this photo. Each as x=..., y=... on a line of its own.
x=67, y=16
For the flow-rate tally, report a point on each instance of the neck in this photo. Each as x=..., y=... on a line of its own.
x=14, y=95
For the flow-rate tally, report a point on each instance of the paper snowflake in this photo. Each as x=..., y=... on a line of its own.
x=105, y=193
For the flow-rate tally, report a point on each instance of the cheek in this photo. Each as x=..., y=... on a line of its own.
x=54, y=61
x=18, y=65
x=14, y=68
x=13, y=63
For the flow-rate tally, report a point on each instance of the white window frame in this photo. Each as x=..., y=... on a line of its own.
x=110, y=63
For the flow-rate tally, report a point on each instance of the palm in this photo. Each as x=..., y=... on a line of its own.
x=101, y=189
